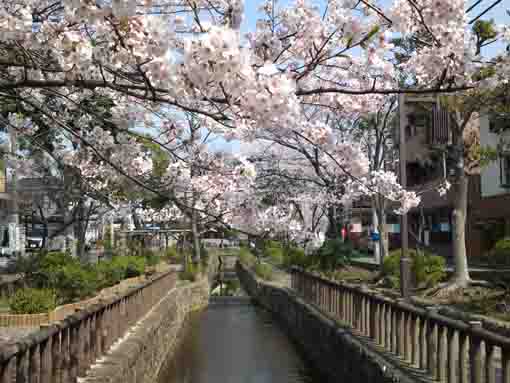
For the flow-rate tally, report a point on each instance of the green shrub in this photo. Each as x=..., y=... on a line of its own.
x=500, y=254
x=108, y=274
x=275, y=254
x=191, y=272
x=112, y=272
x=427, y=269
x=295, y=256
x=333, y=254
x=173, y=256
x=152, y=260
x=32, y=301
x=132, y=266
x=246, y=257
x=204, y=256
x=273, y=245
x=74, y=282
x=264, y=271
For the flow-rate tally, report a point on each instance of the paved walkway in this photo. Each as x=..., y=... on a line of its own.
x=371, y=261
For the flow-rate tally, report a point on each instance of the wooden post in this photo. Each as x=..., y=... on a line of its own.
x=432, y=348
x=442, y=354
x=453, y=355
x=35, y=365
x=8, y=371
x=400, y=333
x=56, y=355
x=22, y=367
x=475, y=355
x=463, y=361
x=382, y=325
x=423, y=343
x=505, y=353
x=490, y=368
x=46, y=361
x=74, y=350
x=416, y=331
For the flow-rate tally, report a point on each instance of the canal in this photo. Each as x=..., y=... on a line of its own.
x=237, y=343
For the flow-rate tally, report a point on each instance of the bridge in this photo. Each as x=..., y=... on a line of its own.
x=170, y=331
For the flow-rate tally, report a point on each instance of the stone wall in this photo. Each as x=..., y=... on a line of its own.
x=139, y=356
x=332, y=349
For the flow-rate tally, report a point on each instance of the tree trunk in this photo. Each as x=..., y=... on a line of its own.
x=195, y=236
x=461, y=276
x=383, y=234
x=375, y=228
x=44, y=221
x=332, y=232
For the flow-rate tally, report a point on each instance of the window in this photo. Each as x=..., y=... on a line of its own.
x=504, y=164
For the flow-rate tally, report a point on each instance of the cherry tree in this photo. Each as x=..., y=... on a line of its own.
x=146, y=60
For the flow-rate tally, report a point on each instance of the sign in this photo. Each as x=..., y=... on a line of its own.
x=375, y=236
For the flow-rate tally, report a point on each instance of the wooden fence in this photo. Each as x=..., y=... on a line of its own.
x=62, y=352
x=447, y=350
x=61, y=312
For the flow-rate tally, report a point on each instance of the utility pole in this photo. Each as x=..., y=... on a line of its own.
x=15, y=241
x=405, y=262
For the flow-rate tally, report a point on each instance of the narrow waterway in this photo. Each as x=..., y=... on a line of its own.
x=235, y=344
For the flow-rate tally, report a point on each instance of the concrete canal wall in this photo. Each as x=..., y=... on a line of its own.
x=331, y=348
x=139, y=357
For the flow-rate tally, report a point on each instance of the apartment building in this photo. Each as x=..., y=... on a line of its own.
x=490, y=213
x=428, y=137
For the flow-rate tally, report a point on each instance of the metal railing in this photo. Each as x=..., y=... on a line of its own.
x=447, y=350
x=62, y=352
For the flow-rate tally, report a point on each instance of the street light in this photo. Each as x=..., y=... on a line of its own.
x=405, y=262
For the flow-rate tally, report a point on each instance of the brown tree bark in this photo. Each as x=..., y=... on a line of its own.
x=461, y=275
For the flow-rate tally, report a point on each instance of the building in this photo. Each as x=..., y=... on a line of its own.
x=428, y=139
x=42, y=212
x=491, y=211
x=11, y=232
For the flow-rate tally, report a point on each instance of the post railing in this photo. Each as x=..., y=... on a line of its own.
x=448, y=350
x=62, y=352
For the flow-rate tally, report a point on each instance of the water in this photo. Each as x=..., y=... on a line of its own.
x=235, y=344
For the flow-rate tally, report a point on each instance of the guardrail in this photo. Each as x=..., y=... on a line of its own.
x=448, y=350
x=62, y=352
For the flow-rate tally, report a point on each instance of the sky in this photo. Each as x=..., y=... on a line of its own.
x=498, y=13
